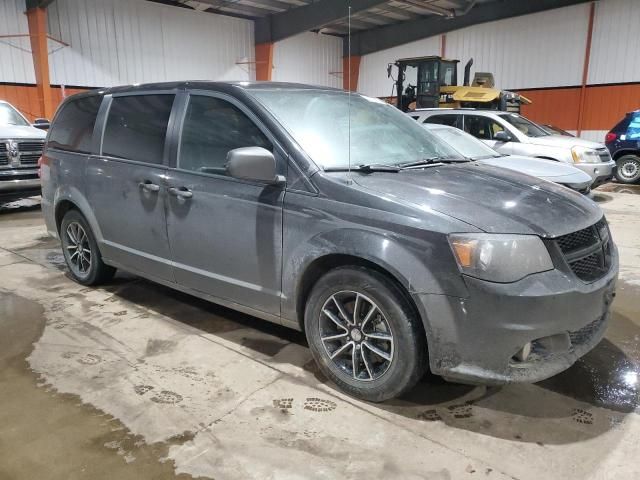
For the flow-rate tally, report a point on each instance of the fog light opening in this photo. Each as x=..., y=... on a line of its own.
x=522, y=354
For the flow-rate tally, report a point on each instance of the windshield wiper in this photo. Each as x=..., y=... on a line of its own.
x=367, y=167
x=431, y=161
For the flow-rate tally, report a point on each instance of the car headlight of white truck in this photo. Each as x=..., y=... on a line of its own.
x=498, y=257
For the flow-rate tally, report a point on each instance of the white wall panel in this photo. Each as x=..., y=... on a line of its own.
x=615, y=43
x=116, y=42
x=16, y=63
x=373, y=79
x=540, y=50
x=308, y=58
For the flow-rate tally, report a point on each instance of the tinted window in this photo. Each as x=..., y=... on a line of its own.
x=481, y=127
x=211, y=128
x=633, y=130
x=73, y=126
x=137, y=127
x=450, y=120
x=527, y=127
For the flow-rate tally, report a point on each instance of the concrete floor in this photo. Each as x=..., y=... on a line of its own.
x=133, y=380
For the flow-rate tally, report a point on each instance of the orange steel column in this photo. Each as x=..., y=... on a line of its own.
x=37, y=19
x=264, y=61
x=350, y=72
x=585, y=69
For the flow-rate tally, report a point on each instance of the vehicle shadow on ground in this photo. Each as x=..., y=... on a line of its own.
x=557, y=411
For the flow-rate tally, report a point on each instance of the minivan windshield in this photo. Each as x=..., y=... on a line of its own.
x=466, y=144
x=324, y=124
x=527, y=127
x=10, y=116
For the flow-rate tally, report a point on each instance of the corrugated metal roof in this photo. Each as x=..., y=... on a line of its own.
x=387, y=13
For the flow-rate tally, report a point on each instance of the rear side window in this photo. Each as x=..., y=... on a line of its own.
x=73, y=127
x=211, y=128
x=137, y=127
x=633, y=130
x=450, y=120
x=481, y=127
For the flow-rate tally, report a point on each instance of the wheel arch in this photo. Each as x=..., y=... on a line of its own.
x=326, y=263
x=624, y=152
x=72, y=198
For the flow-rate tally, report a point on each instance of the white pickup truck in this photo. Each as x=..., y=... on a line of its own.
x=20, y=148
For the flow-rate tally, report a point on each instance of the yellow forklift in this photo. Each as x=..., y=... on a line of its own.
x=432, y=82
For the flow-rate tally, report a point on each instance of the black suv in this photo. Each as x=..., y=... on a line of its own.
x=623, y=141
x=335, y=214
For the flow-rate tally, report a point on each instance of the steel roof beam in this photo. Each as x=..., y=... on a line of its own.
x=384, y=37
x=279, y=26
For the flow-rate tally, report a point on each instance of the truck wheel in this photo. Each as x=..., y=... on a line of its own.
x=364, y=334
x=628, y=169
x=81, y=252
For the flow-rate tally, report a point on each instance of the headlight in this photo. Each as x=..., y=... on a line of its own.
x=584, y=155
x=500, y=258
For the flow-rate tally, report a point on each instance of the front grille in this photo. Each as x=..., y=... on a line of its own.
x=30, y=146
x=585, y=334
x=587, y=251
x=29, y=158
x=29, y=151
x=577, y=240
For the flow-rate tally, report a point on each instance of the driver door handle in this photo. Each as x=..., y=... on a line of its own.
x=148, y=186
x=181, y=192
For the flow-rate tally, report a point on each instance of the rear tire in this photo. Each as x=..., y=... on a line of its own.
x=376, y=350
x=81, y=252
x=628, y=169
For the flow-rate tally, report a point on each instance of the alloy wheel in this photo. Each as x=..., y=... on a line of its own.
x=356, y=335
x=78, y=249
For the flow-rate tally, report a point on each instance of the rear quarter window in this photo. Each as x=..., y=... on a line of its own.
x=72, y=128
x=633, y=130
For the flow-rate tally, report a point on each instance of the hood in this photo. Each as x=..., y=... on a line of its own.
x=17, y=131
x=564, y=141
x=546, y=169
x=490, y=198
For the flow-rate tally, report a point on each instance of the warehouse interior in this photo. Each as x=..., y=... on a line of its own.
x=133, y=378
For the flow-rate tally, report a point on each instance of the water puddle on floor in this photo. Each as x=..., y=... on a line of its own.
x=50, y=435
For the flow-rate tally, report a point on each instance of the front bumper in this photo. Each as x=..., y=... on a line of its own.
x=19, y=183
x=474, y=339
x=599, y=172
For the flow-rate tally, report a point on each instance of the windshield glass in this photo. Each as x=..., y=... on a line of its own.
x=10, y=116
x=380, y=133
x=466, y=144
x=527, y=127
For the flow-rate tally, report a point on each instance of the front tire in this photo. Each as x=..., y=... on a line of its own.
x=81, y=252
x=364, y=334
x=628, y=169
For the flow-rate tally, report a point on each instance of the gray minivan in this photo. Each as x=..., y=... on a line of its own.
x=337, y=215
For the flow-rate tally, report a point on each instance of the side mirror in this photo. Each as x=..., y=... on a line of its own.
x=42, y=123
x=502, y=137
x=253, y=163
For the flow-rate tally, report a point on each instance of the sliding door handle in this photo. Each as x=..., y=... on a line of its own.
x=148, y=186
x=181, y=192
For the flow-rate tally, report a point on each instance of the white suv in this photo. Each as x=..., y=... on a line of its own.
x=513, y=134
x=20, y=149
